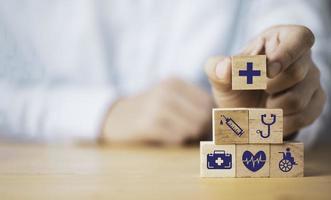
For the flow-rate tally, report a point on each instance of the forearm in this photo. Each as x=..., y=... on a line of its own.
x=64, y=113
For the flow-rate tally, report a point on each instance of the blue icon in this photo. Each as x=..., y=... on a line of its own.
x=254, y=162
x=236, y=129
x=286, y=164
x=269, y=124
x=249, y=73
x=219, y=160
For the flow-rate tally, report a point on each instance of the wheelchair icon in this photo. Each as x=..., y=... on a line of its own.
x=286, y=164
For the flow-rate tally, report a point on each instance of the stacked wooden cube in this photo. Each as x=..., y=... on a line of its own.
x=248, y=142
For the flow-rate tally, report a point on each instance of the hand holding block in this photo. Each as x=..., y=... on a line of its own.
x=265, y=125
x=217, y=160
x=230, y=126
x=286, y=160
x=249, y=72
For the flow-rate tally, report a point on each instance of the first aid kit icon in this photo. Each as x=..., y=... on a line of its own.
x=219, y=159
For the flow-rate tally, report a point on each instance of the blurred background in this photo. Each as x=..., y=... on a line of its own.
x=63, y=64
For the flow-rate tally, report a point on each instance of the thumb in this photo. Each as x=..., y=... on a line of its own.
x=218, y=70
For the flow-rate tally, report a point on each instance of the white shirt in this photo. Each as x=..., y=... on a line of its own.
x=62, y=63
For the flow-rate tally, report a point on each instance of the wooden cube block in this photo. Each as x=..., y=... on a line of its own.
x=217, y=160
x=252, y=160
x=249, y=72
x=265, y=126
x=230, y=126
x=287, y=160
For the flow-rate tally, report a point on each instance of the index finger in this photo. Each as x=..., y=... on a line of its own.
x=286, y=46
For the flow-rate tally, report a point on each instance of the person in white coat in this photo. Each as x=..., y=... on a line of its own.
x=137, y=71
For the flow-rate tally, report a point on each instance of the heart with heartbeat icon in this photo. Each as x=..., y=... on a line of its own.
x=254, y=162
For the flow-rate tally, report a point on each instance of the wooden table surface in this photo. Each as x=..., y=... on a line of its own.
x=90, y=172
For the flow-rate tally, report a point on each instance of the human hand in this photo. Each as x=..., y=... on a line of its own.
x=170, y=113
x=293, y=79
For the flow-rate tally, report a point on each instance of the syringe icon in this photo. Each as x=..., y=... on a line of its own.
x=232, y=125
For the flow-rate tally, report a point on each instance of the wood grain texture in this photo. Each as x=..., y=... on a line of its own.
x=222, y=133
x=242, y=170
x=276, y=158
x=256, y=127
x=209, y=148
x=240, y=63
x=38, y=172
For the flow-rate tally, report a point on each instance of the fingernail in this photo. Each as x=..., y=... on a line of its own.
x=221, y=68
x=274, y=69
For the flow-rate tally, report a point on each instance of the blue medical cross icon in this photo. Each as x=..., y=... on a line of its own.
x=249, y=73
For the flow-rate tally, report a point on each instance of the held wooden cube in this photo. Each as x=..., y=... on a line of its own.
x=252, y=160
x=287, y=160
x=217, y=160
x=230, y=126
x=265, y=126
x=249, y=72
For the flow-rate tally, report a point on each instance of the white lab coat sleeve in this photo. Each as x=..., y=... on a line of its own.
x=53, y=71
x=67, y=113
x=256, y=16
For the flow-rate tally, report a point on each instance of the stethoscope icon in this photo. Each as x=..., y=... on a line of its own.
x=273, y=120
